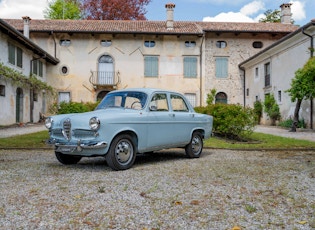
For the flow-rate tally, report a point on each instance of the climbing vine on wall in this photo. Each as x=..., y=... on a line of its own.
x=19, y=79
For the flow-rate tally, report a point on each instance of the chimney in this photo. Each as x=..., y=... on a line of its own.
x=26, y=30
x=286, y=14
x=170, y=15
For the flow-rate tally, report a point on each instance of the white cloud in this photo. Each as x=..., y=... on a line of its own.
x=252, y=8
x=229, y=17
x=249, y=9
x=19, y=8
x=298, y=10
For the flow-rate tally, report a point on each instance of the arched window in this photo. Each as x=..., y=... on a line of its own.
x=101, y=95
x=105, y=70
x=221, y=98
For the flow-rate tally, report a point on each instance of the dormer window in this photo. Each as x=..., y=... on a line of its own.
x=190, y=43
x=65, y=42
x=106, y=43
x=221, y=44
x=149, y=44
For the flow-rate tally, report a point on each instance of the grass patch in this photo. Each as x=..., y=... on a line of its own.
x=257, y=141
x=32, y=140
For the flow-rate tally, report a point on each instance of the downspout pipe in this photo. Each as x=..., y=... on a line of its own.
x=244, y=85
x=312, y=54
x=201, y=70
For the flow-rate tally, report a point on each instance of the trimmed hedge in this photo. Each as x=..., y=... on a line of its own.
x=230, y=120
x=75, y=107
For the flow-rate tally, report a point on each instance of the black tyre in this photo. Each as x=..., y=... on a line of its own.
x=122, y=153
x=194, y=148
x=67, y=159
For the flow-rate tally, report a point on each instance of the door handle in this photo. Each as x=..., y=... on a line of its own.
x=172, y=114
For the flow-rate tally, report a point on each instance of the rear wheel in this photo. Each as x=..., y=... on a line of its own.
x=67, y=159
x=194, y=148
x=121, y=154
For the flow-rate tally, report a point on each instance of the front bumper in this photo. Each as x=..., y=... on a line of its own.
x=76, y=147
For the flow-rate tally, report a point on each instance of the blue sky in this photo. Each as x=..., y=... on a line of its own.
x=185, y=10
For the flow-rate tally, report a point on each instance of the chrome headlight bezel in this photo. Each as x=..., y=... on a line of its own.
x=49, y=122
x=94, y=123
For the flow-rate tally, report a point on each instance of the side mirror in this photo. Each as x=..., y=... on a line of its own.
x=153, y=108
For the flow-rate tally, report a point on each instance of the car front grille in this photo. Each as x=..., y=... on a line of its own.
x=67, y=129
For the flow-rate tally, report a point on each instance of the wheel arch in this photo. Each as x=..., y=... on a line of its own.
x=132, y=134
x=200, y=130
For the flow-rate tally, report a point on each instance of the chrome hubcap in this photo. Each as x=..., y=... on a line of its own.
x=196, y=144
x=124, y=151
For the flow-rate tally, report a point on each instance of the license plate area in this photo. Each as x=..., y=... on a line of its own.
x=66, y=149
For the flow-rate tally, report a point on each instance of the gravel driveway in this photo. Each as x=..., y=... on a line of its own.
x=220, y=190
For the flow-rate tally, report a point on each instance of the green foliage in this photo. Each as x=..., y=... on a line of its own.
x=272, y=108
x=19, y=79
x=211, y=96
x=288, y=123
x=258, y=110
x=63, y=9
x=271, y=16
x=75, y=107
x=231, y=121
x=303, y=84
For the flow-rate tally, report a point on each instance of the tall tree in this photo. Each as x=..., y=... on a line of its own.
x=302, y=87
x=63, y=9
x=114, y=9
x=271, y=16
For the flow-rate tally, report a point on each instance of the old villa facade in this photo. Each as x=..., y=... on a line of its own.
x=95, y=57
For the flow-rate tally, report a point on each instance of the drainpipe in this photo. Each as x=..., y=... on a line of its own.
x=200, y=63
x=244, y=86
x=312, y=54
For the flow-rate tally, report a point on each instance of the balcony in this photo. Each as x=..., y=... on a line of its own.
x=103, y=79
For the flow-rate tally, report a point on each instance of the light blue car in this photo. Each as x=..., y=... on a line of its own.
x=129, y=122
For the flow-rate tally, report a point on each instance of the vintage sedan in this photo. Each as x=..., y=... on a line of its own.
x=129, y=122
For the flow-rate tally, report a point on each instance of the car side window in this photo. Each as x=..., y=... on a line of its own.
x=178, y=104
x=159, y=102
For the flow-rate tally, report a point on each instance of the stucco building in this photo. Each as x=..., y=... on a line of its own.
x=19, y=102
x=271, y=71
x=96, y=57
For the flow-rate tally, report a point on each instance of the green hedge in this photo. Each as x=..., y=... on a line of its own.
x=75, y=107
x=230, y=121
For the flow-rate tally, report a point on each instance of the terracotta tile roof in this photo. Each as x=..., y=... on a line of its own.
x=148, y=27
x=247, y=27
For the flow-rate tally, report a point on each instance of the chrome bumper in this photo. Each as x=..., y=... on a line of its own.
x=79, y=147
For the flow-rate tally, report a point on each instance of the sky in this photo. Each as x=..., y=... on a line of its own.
x=185, y=10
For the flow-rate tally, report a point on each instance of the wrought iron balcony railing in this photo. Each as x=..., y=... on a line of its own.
x=104, y=79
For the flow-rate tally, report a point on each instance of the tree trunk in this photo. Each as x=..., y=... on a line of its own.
x=296, y=115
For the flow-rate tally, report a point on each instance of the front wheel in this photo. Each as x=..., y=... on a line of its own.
x=67, y=159
x=194, y=148
x=121, y=154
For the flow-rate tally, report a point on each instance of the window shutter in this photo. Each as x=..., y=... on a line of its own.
x=221, y=67
x=190, y=67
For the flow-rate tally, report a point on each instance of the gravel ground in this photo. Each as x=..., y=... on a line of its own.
x=221, y=190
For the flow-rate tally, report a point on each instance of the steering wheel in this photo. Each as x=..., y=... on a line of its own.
x=134, y=104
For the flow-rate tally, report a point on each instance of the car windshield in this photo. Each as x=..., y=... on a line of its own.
x=127, y=100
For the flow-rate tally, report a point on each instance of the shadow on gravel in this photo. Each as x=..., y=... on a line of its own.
x=99, y=163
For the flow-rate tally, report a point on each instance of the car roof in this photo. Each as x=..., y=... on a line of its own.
x=145, y=90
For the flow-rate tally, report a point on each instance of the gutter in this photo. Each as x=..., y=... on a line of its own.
x=312, y=54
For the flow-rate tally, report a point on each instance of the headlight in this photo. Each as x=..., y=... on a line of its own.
x=48, y=122
x=94, y=123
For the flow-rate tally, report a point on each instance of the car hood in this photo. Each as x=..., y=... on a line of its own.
x=82, y=119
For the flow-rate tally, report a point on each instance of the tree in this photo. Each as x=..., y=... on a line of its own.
x=114, y=9
x=63, y=9
x=211, y=96
x=271, y=16
x=302, y=88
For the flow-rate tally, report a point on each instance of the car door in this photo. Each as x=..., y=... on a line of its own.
x=183, y=119
x=159, y=121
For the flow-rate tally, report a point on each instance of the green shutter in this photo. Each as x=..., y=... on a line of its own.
x=11, y=54
x=151, y=66
x=190, y=67
x=19, y=57
x=221, y=67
